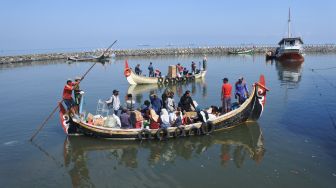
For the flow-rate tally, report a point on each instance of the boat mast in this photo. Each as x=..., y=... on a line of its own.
x=289, y=34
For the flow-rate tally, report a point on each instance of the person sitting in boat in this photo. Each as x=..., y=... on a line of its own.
x=193, y=67
x=241, y=90
x=114, y=102
x=170, y=103
x=151, y=70
x=130, y=103
x=179, y=119
x=137, y=70
x=165, y=122
x=185, y=71
x=125, y=119
x=136, y=119
x=179, y=69
x=156, y=103
x=67, y=96
x=154, y=120
x=213, y=112
x=186, y=103
x=164, y=97
x=158, y=73
x=202, y=116
x=145, y=110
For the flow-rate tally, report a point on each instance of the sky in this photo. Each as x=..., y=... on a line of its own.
x=74, y=24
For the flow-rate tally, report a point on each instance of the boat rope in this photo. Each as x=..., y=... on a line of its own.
x=324, y=78
x=333, y=122
x=328, y=68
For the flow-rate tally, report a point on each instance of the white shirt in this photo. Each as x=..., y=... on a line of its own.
x=170, y=104
x=115, y=102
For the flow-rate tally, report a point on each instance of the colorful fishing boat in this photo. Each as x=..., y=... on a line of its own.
x=290, y=48
x=135, y=79
x=252, y=109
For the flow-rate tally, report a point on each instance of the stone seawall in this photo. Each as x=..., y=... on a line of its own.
x=157, y=51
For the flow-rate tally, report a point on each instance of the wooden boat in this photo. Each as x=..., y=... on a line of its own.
x=270, y=55
x=252, y=109
x=135, y=79
x=102, y=58
x=241, y=51
x=290, y=50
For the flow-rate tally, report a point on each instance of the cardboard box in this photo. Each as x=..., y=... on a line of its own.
x=172, y=71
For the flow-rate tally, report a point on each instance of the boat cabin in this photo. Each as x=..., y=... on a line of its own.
x=291, y=42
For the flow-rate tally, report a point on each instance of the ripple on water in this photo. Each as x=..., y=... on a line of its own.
x=11, y=143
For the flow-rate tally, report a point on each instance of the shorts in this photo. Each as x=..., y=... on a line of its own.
x=69, y=103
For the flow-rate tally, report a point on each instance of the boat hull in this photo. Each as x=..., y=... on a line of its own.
x=291, y=57
x=134, y=79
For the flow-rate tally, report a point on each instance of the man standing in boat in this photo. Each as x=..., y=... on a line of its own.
x=137, y=70
x=226, y=96
x=241, y=90
x=67, y=96
x=114, y=102
x=151, y=70
x=77, y=91
x=193, y=67
x=205, y=62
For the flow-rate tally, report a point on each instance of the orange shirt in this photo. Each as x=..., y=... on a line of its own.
x=226, y=90
x=67, y=92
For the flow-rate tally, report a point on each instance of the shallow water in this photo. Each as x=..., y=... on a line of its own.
x=292, y=145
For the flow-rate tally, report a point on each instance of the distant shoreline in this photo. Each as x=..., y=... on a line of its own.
x=327, y=48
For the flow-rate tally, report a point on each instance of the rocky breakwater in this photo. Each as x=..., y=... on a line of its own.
x=44, y=57
x=189, y=50
x=159, y=51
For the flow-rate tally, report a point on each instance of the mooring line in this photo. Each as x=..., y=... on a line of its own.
x=330, y=83
x=328, y=68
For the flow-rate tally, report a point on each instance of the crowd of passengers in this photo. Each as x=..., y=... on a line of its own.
x=180, y=70
x=159, y=112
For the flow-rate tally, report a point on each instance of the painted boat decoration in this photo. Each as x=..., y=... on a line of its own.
x=135, y=79
x=251, y=109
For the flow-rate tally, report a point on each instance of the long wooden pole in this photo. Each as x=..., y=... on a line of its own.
x=46, y=120
x=108, y=48
x=52, y=113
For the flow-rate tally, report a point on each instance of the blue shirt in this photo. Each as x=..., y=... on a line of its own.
x=156, y=104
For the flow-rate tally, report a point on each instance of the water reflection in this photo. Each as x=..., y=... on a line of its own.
x=235, y=145
x=289, y=74
x=141, y=92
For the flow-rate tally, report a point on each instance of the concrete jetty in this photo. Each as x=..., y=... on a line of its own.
x=327, y=48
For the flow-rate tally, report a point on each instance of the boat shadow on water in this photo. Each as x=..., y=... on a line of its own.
x=235, y=145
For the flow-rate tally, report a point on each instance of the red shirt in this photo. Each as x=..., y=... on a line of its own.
x=67, y=92
x=226, y=90
x=179, y=68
